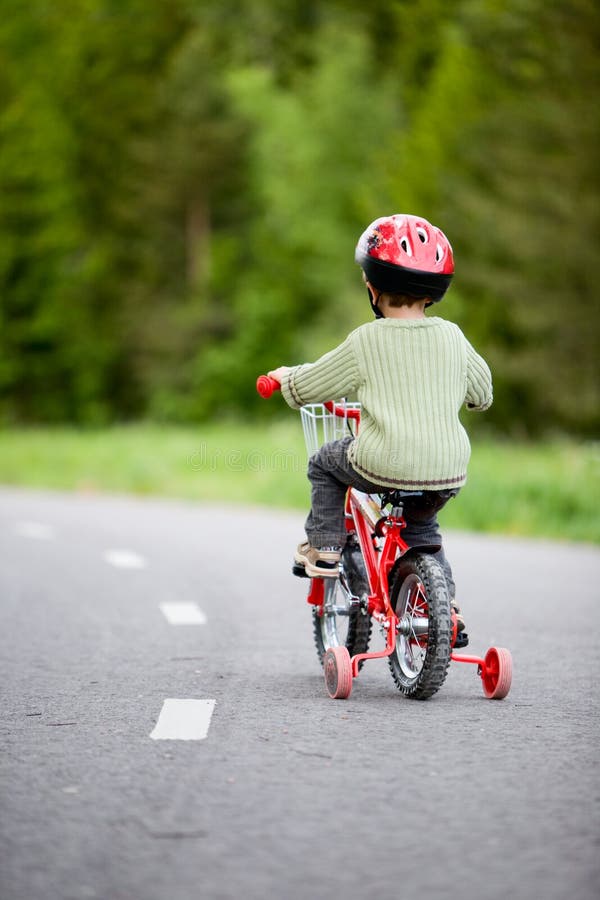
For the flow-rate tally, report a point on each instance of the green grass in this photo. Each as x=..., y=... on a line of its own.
x=543, y=490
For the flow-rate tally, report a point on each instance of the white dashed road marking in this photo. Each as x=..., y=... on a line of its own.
x=36, y=530
x=179, y=719
x=183, y=720
x=183, y=614
x=125, y=559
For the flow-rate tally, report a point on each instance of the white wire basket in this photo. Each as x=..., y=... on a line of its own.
x=321, y=426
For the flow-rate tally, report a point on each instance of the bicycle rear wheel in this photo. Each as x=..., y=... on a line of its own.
x=419, y=594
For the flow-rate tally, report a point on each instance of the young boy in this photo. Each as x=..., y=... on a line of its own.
x=412, y=374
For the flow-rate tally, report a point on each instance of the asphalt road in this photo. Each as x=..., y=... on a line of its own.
x=290, y=794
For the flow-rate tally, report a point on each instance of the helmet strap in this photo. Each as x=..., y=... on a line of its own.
x=374, y=307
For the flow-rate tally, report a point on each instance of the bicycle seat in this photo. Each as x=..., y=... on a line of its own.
x=395, y=498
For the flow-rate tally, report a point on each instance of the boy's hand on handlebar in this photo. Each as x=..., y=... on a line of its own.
x=279, y=374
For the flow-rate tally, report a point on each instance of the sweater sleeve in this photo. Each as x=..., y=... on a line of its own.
x=479, y=394
x=334, y=375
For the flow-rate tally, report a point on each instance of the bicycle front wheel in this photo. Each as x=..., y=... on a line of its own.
x=419, y=594
x=337, y=624
x=340, y=622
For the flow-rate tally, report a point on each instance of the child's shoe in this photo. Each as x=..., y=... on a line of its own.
x=460, y=621
x=462, y=638
x=318, y=563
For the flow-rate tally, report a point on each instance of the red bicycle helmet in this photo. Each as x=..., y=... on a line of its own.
x=404, y=254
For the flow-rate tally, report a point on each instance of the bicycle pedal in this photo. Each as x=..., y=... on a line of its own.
x=462, y=640
x=299, y=571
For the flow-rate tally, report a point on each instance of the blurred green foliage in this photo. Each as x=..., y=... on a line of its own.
x=519, y=488
x=182, y=183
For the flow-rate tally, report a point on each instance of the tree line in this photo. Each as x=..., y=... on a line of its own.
x=182, y=183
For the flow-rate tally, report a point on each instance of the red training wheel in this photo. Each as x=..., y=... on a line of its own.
x=497, y=673
x=338, y=673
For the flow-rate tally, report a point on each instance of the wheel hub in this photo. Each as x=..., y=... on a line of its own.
x=416, y=626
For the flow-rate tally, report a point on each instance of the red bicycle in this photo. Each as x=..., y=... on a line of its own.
x=383, y=581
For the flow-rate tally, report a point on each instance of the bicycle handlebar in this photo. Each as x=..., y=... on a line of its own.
x=266, y=386
x=342, y=411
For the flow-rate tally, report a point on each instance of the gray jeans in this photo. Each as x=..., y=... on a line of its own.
x=330, y=474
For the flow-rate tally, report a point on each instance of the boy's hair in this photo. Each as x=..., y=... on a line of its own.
x=396, y=300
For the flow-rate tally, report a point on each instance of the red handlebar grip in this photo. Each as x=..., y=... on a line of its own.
x=342, y=411
x=265, y=386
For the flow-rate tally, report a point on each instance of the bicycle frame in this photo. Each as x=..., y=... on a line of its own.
x=371, y=526
x=365, y=517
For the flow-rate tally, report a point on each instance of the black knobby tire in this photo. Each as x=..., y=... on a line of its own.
x=354, y=630
x=419, y=594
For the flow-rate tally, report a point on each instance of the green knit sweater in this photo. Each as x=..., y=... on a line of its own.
x=411, y=376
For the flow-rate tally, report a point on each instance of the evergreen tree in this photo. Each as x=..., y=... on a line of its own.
x=182, y=183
